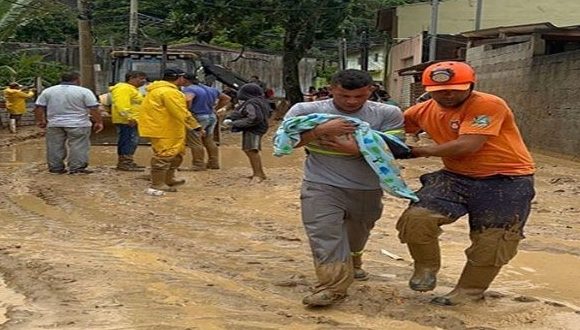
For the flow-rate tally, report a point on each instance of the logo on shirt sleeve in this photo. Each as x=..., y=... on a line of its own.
x=481, y=121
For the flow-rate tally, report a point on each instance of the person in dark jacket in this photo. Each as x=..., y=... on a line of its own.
x=251, y=118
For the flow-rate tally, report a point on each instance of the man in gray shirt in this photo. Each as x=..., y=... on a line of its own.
x=341, y=194
x=66, y=110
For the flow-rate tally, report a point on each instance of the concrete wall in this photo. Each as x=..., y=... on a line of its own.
x=402, y=55
x=266, y=66
x=457, y=16
x=541, y=90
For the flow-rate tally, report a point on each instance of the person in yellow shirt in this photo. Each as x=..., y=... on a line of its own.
x=125, y=102
x=164, y=118
x=15, y=98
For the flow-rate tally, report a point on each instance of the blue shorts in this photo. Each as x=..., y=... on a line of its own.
x=498, y=201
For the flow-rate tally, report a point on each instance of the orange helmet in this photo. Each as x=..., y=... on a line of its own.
x=448, y=75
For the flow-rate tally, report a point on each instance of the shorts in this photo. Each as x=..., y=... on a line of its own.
x=499, y=201
x=251, y=141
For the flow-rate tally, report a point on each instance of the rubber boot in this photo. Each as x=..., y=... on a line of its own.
x=197, y=154
x=133, y=164
x=125, y=164
x=359, y=273
x=158, y=180
x=471, y=286
x=12, y=125
x=213, y=162
x=170, y=179
x=427, y=263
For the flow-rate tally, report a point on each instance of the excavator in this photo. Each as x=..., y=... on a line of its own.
x=153, y=61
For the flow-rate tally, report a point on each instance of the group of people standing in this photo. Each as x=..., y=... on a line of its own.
x=487, y=170
x=175, y=112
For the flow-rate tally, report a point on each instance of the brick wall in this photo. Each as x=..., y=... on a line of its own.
x=541, y=90
x=27, y=118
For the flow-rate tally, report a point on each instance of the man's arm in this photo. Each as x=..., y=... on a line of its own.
x=176, y=105
x=328, y=131
x=40, y=116
x=96, y=118
x=464, y=145
x=223, y=100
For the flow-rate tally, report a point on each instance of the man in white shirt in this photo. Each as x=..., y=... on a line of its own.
x=66, y=111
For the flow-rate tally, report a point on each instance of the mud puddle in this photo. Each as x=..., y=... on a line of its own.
x=9, y=300
x=230, y=156
x=96, y=253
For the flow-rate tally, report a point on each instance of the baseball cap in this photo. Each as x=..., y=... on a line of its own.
x=173, y=72
x=190, y=76
x=449, y=75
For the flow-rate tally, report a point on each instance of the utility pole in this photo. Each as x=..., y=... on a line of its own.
x=342, y=53
x=134, y=25
x=388, y=42
x=364, y=50
x=433, y=30
x=478, y=11
x=86, y=56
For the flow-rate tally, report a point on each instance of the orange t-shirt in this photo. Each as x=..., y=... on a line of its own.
x=504, y=152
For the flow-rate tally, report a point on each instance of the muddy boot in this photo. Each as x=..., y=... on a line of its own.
x=427, y=263
x=158, y=180
x=170, y=179
x=359, y=273
x=213, y=162
x=471, y=286
x=197, y=155
x=322, y=298
x=133, y=164
x=125, y=164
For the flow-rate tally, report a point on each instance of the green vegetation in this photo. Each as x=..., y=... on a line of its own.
x=24, y=69
x=295, y=28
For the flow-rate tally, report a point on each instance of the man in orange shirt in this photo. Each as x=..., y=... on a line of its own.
x=487, y=175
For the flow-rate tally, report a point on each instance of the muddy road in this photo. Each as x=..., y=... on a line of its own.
x=95, y=252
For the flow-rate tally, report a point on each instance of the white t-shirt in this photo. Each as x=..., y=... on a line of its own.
x=67, y=105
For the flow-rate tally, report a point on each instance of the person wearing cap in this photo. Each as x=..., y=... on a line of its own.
x=15, y=99
x=125, y=102
x=341, y=195
x=202, y=104
x=164, y=118
x=487, y=175
x=251, y=118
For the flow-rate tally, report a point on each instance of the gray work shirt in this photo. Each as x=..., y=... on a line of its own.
x=350, y=172
x=67, y=105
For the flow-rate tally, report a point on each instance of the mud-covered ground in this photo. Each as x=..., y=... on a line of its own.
x=95, y=252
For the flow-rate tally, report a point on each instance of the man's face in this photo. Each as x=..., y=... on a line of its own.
x=181, y=81
x=350, y=100
x=450, y=98
x=138, y=81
